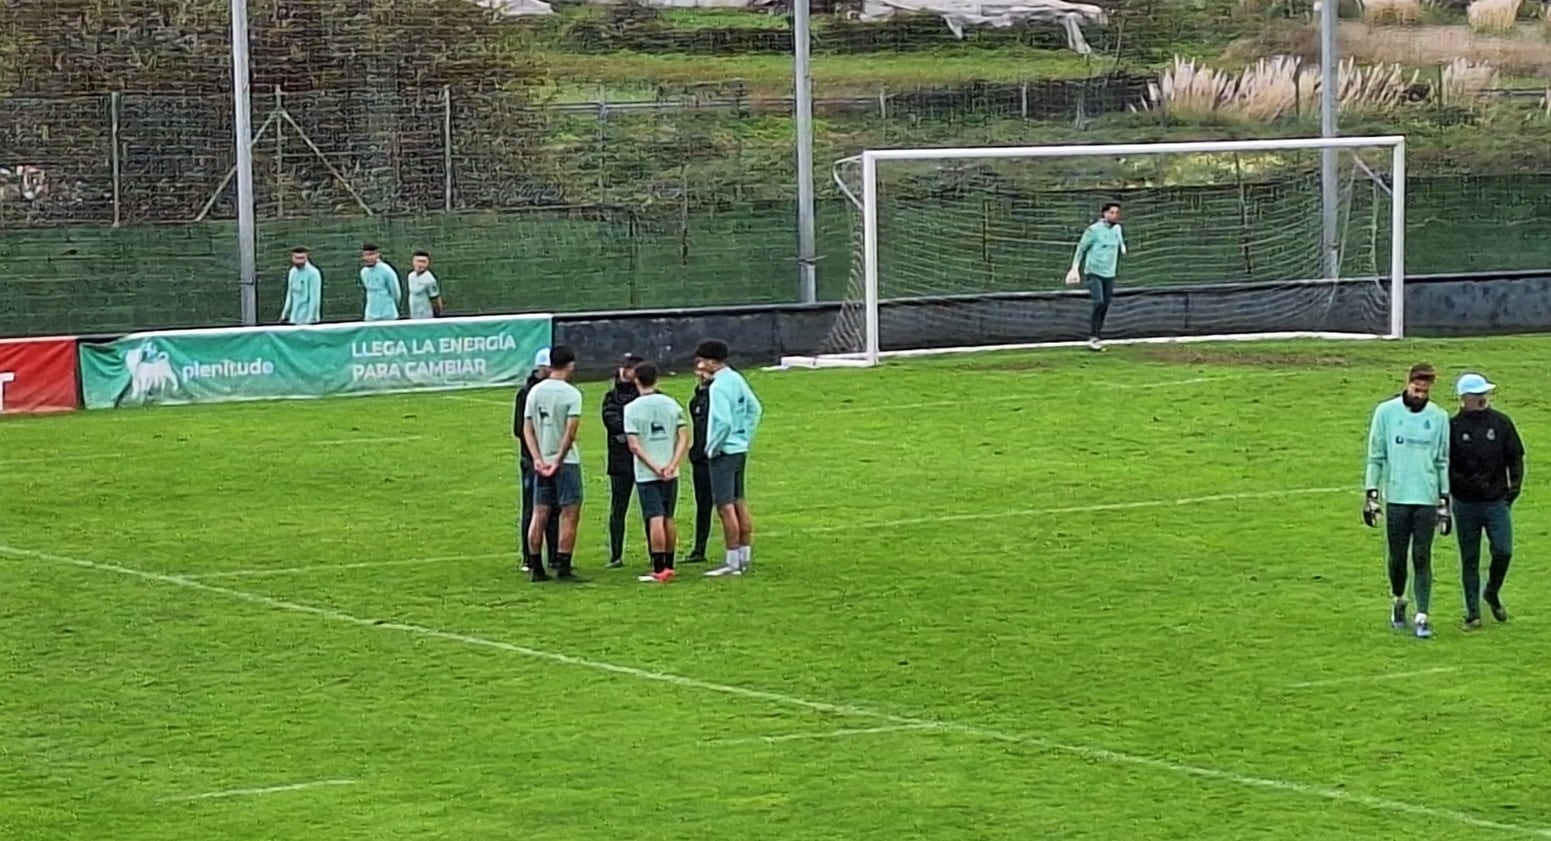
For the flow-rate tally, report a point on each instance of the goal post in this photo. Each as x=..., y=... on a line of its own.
x=963, y=249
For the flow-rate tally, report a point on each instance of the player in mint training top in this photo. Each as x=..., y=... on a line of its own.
x=425, y=293
x=381, y=283
x=732, y=421
x=303, y=290
x=552, y=416
x=1408, y=465
x=659, y=440
x=1096, y=263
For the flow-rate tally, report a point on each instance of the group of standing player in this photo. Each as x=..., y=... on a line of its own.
x=1428, y=472
x=379, y=281
x=658, y=437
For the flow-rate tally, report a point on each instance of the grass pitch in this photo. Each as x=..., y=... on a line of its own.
x=1020, y=596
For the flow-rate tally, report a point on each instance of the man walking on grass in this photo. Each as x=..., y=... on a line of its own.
x=1486, y=473
x=1408, y=467
x=1096, y=263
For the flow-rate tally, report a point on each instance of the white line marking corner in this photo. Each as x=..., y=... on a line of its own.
x=258, y=792
x=1337, y=681
x=828, y=734
x=1374, y=803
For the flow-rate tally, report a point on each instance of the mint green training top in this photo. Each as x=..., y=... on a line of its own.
x=1408, y=453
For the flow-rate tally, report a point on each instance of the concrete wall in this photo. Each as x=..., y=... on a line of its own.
x=1438, y=305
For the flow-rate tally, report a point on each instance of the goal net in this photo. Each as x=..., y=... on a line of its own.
x=969, y=249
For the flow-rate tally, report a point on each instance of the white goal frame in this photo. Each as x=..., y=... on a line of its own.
x=872, y=353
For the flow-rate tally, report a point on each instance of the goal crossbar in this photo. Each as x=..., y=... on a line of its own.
x=872, y=352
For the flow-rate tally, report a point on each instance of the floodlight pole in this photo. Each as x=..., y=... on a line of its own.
x=1329, y=181
x=807, y=252
x=247, y=262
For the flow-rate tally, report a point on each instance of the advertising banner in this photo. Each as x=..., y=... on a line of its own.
x=37, y=375
x=326, y=360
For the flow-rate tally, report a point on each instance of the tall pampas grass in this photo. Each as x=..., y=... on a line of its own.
x=1465, y=82
x=1493, y=15
x=1380, y=12
x=1271, y=89
x=1192, y=92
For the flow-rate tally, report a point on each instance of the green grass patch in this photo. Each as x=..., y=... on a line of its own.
x=1100, y=631
x=771, y=75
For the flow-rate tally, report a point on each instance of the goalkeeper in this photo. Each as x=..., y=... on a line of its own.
x=1095, y=263
x=1408, y=462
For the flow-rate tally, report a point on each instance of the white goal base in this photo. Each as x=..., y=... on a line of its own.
x=859, y=360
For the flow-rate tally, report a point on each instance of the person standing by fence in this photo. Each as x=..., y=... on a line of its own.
x=303, y=290
x=425, y=293
x=381, y=283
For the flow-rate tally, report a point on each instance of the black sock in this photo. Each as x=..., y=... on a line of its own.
x=667, y=559
x=563, y=562
x=657, y=562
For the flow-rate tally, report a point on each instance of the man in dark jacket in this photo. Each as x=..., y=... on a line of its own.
x=621, y=464
x=699, y=412
x=525, y=467
x=1486, y=472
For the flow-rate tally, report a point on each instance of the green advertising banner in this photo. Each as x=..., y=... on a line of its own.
x=276, y=363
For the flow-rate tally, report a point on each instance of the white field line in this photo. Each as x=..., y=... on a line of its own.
x=334, y=442
x=1046, y=512
x=1309, y=684
x=468, y=398
x=886, y=524
x=1088, y=752
x=256, y=792
x=828, y=734
x=343, y=442
x=980, y=399
x=1200, y=380
x=262, y=571
x=1034, y=397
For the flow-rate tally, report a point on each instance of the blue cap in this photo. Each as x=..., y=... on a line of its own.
x=1473, y=384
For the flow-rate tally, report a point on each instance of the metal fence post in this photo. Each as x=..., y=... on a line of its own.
x=447, y=148
x=115, y=110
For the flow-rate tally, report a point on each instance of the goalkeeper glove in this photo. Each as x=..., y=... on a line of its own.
x=1445, y=517
x=1371, y=511
x=1073, y=277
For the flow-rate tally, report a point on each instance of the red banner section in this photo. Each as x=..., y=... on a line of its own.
x=37, y=375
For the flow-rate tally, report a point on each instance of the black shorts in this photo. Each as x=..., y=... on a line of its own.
x=727, y=477
x=659, y=498
x=562, y=489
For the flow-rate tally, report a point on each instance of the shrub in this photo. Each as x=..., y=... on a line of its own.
x=1466, y=82
x=1381, y=12
x=1493, y=15
x=1273, y=88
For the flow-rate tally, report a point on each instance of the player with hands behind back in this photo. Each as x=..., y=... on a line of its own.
x=659, y=440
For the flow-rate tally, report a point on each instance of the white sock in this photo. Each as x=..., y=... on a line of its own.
x=1421, y=617
x=732, y=558
x=743, y=555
